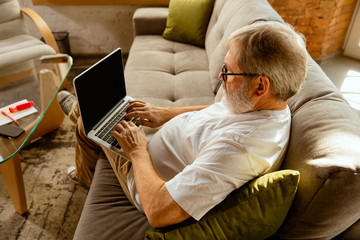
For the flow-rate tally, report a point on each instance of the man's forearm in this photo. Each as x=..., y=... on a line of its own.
x=154, y=116
x=174, y=111
x=160, y=209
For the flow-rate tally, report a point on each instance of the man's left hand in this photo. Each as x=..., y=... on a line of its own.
x=130, y=137
x=159, y=206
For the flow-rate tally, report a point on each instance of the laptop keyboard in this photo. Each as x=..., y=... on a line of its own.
x=105, y=132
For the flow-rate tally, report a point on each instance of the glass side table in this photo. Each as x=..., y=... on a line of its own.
x=36, y=80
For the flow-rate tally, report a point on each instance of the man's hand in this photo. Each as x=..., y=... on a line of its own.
x=160, y=208
x=130, y=137
x=154, y=116
x=150, y=115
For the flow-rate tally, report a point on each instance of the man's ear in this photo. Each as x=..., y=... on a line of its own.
x=262, y=86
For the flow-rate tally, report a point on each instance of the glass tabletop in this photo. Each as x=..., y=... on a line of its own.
x=32, y=84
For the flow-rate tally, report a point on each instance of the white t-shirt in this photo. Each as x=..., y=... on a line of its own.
x=204, y=155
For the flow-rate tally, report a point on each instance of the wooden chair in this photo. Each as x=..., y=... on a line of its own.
x=17, y=46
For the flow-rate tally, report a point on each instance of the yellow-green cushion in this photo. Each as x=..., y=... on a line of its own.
x=254, y=211
x=188, y=20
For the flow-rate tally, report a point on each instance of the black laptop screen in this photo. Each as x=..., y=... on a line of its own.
x=100, y=88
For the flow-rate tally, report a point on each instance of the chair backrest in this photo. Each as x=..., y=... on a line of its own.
x=11, y=21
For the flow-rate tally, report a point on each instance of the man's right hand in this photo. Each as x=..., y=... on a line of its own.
x=154, y=116
x=149, y=114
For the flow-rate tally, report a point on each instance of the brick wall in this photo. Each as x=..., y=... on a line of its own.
x=323, y=22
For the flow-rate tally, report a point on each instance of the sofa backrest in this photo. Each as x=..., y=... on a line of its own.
x=11, y=20
x=325, y=148
x=228, y=16
x=325, y=135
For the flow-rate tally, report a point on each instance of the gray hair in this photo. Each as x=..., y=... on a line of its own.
x=274, y=50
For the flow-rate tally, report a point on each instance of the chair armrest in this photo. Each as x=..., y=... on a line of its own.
x=150, y=21
x=43, y=28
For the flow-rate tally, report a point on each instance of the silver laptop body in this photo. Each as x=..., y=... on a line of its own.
x=101, y=94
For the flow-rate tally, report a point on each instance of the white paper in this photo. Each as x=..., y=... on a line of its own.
x=15, y=115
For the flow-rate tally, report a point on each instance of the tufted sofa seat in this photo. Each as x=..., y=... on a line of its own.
x=181, y=72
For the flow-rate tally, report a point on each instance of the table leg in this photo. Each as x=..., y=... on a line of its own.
x=13, y=178
x=54, y=116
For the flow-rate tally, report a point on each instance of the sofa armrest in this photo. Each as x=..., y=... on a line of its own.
x=150, y=21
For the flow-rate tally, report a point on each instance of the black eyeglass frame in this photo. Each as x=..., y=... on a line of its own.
x=224, y=73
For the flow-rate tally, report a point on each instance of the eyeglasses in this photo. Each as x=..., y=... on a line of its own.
x=224, y=73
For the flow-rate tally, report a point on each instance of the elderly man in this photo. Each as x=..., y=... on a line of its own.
x=202, y=153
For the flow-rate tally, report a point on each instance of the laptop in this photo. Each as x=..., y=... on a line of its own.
x=101, y=94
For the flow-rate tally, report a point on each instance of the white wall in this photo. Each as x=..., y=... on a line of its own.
x=92, y=29
x=352, y=42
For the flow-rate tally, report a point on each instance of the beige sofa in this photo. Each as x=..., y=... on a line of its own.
x=325, y=135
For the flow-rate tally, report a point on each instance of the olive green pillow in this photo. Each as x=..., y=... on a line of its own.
x=254, y=211
x=188, y=20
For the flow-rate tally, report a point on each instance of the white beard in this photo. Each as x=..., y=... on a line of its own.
x=238, y=101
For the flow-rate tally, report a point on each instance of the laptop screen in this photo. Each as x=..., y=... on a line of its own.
x=100, y=88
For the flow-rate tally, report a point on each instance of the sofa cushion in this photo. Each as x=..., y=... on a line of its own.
x=187, y=21
x=21, y=48
x=352, y=232
x=168, y=73
x=324, y=147
x=228, y=16
x=254, y=211
x=107, y=213
x=150, y=21
x=11, y=21
x=17, y=54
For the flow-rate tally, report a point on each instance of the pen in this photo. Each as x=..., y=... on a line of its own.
x=7, y=115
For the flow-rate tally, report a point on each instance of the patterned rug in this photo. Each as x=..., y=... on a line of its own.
x=54, y=202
